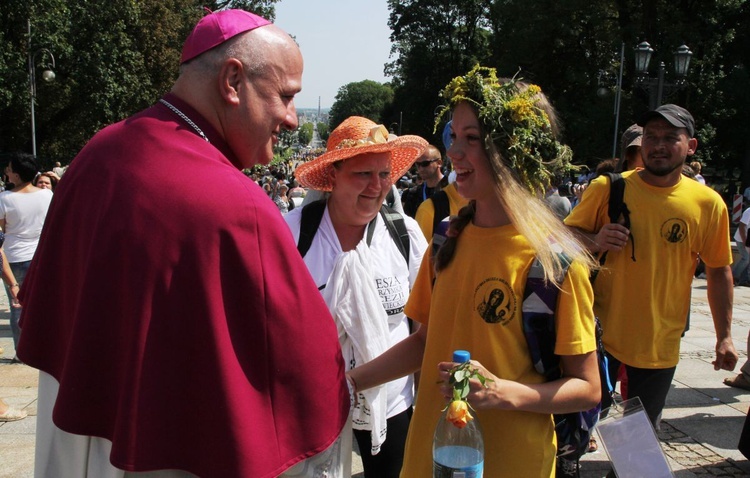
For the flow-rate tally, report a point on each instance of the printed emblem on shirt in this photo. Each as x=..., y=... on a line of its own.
x=674, y=230
x=392, y=294
x=495, y=301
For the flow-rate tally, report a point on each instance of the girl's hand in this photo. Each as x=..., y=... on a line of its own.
x=480, y=396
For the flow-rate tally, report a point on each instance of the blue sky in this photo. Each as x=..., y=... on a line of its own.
x=342, y=41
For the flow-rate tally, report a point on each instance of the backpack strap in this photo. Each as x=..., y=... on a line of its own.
x=312, y=214
x=396, y=226
x=390, y=198
x=538, y=318
x=442, y=208
x=617, y=208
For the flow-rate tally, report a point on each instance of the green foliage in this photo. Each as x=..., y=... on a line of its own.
x=460, y=377
x=323, y=131
x=563, y=47
x=434, y=41
x=287, y=139
x=364, y=98
x=264, y=8
x=112, y=59
x=305, y=133
x=519, y=126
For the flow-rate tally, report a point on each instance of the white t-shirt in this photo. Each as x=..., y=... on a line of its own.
x=745, y=219
x=24, y=215
x=392, y=279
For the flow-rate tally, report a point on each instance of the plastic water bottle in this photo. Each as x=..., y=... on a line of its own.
x=458, y=452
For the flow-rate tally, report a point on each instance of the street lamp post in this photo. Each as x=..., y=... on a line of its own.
x=605, y=82
x=47, y=75
x=658, y=88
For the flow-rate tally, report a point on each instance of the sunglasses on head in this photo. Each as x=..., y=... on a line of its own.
x=424, y=164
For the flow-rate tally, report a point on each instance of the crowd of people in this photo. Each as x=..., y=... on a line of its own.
x=203, y=295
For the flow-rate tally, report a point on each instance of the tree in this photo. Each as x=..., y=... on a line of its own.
x=264, y=8
x=305, y=134
x=434, y=41
x=113, y=59
x=364, y=98
x=323, y=131
x=563, y=47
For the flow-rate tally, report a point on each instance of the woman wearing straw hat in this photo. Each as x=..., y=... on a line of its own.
x=362, y=272
x=504, y=152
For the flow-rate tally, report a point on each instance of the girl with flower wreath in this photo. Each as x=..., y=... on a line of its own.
x=505, y=153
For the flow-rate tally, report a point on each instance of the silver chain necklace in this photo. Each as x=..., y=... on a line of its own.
x=184, y=117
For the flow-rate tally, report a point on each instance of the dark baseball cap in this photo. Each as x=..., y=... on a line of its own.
x=631, y=137
x=675, y=115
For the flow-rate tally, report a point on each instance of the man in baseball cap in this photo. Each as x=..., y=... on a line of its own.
x=170, y=339
x=630, y=149
x=675, y=115
x=675, y=220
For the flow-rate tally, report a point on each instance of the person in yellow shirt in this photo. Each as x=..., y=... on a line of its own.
x=643, y=291
x=426, y=212
x=469, y=295
x=444, y=203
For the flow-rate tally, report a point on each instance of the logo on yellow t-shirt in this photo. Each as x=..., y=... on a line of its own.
x=674, y=230
x=495, y=301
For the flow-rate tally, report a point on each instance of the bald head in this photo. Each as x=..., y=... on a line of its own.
x=245, y=88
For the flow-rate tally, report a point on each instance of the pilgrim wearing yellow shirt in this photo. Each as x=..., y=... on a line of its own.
x=480, y=273
x=426, y=212
x=476, y=305
x=643, y=291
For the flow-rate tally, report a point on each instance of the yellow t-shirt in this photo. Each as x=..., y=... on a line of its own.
x=643, y=304
x=426, y=211
x=485, y=282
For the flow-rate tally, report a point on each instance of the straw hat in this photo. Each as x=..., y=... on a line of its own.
x=354, y=137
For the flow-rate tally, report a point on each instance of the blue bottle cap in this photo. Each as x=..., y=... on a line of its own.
x=461, y=356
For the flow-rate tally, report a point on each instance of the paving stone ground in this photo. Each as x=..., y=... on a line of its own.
x=700, y=430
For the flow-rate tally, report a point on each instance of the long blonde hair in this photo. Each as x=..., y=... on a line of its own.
x=548, y=236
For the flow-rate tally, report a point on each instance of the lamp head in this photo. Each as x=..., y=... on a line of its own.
x=48, y=75
x=682, y=61
x=643, y=57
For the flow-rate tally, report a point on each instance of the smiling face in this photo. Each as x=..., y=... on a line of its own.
x=360, y=185
x=470, y=162
x=265, y=100
x=665, y=148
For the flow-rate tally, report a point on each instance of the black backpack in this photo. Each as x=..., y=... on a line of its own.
x=312, y=214
x=442, y=208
